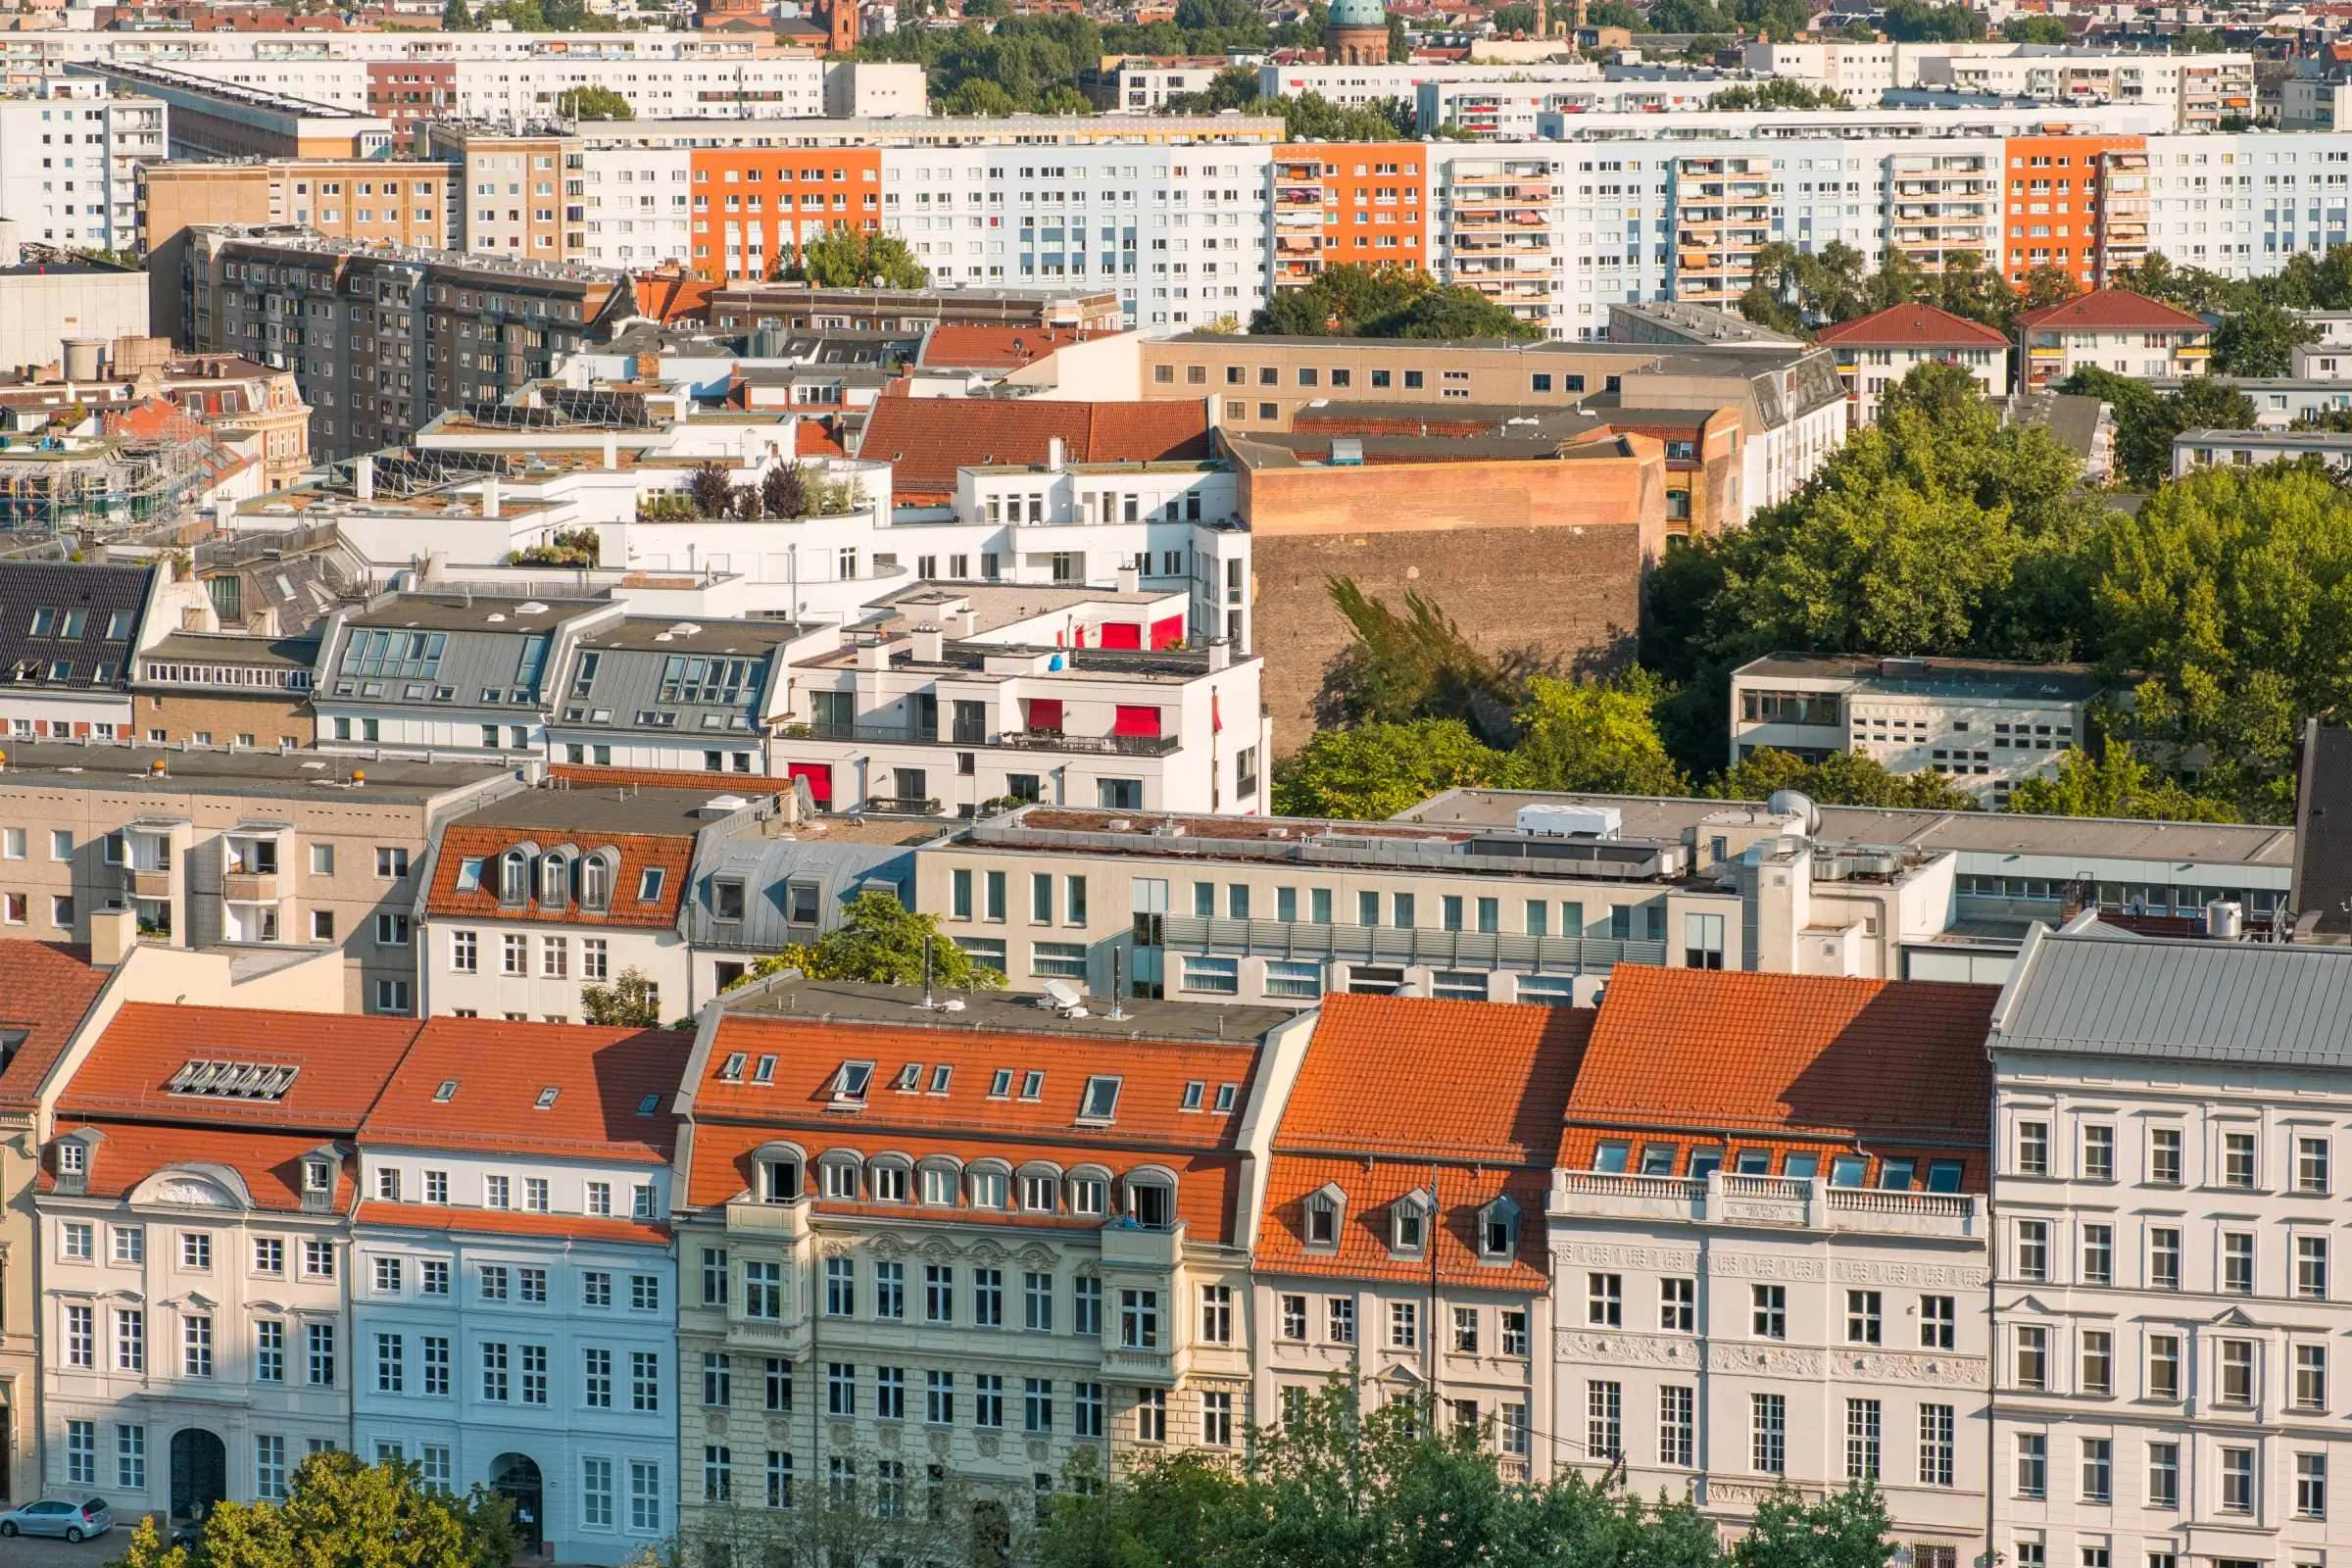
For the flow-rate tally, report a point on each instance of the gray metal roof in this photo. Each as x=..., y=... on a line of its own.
x=2179, y=1000
x=838, y=867
x=453, y=653
x=670, y=678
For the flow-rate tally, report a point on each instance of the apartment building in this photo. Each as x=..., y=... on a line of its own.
x=514, y=195
x=1408, y=1259
x=753, y=895
x=2200, y=91
x=1287, y=909
x=2110, y=329
x=1983, y=723
x=910, y=717
x=229, y=850
x=392, y=201
x=512, y=1289
x=1875, y=352
x=2204, y=449
x=530, y=901
x=1770, y=1264
x=2164, y=1295
x=69, y=635
x=72, y=147
x=227, y=689
x=963, y=1250
x=382, y=341
x=194, y=1206
x=1355, y=203
x=661, y=694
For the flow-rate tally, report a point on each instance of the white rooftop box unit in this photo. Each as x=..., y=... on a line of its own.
x=1591, y=821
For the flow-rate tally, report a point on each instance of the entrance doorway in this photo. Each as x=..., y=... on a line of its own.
x=199, y=1472
x=516, y=1477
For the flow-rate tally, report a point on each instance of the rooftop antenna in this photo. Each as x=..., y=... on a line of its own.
x=1118, y=984
x=927, y=1004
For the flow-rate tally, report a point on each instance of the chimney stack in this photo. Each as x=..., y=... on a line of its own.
x=1056, y=454
x=490, y=496
x=113, y=933
x=1220, y=654
x=930, y=644
x=362, y=477
x=1130, y=580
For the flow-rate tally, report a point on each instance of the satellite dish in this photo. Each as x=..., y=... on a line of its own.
x=1064, y=995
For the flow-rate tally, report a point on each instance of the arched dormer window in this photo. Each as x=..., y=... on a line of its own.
x=780, y=1167
x=839, y=1173
x=888, y=1178
x=1408, y=1224
x=555, y=879
x=989, y=1184
x=596, y=880
x=1090, y=1191
x=515, y=876
x=1151, y=1197
x=1498, y=1231
x=940, y=1179
x=1040, y=1188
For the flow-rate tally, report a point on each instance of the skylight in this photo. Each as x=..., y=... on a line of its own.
x=446, y=1092
x=911, y=1078
x=647, y=1106
x=1101, y=1100
x=849, y=1083
x=1033, y=1084
x=1226, y=1094
x=939, y=1078
x=1192, y=1093
x=1000, y=1086
x=763, y=1072
x=233, y=1080
x=547, y=1099
x=730, y=1071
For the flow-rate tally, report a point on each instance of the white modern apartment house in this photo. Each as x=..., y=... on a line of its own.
x=73, y=147
x=1769, y=1266
x=1985, y=723
x=194, y=1207
x=2110, y=329
x=513, y=1293
x=2170, y=1122
x=1540, y=909
x=2198, y=90
x=1355, y=85
x=2206, y=449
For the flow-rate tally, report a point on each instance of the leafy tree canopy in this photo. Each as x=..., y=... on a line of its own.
x=2118, y=783
x=1375, y=770
x=1779, y=92
x=1385, y=299
x=340, y=1511
x=1842, y=778
x=2146, y=420
x=594, y=103
x=856, y=258
x=882, y=942
x=2036, y=29
x=631, y=1001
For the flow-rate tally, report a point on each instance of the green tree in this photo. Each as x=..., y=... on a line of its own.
x=1595, y=735
x=1844, y=1530
x=882, y=942
x=977, y=96
x=1406, y=665
x=1690, y=16
x=2260, y=341
x=1937, y=390
x=1518, y=17
x=2146, y=420
x=631, y=1001
x=594, y=103
x=1374, y=770
x=1779, y=92
x=1615, y=13
x=2117, y=783
x=1400, y=45
x=1917, y=21
x=457, y=17
x=2036, y=29
x=1344, y=300
x=1453, y=312
x=856, y=258
x=1841, y=778
x=342, y=1512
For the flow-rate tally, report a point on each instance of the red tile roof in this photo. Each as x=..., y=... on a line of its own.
x=1371, y=1188
x=508, y=1222
x=1913, y=326
x=2112, y=310
x=344, y=1063
x=999, y=348
x=45, y=989
x=1465, y=1081
x=269, y=1163
x=670, y=295
x=601, y=1077
x=746, y=785
x=1883, y=1065
x=925, y=440
x=814, y=438
x=461, y=841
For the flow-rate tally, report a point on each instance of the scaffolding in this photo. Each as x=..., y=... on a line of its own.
x=127, y=482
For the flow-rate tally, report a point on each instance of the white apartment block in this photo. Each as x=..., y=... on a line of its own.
x=636, y=202
x=1982, y=723
x=1145, y=86
x=2206, y=449
x=71, y=149
x=2169, y=1130
x=2198, y=90
x=1354, y=85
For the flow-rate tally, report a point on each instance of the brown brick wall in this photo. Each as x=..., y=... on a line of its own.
x=182, y=718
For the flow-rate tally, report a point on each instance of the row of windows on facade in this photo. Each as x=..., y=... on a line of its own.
x=1323, y=1211
x=1676, y=1434
x=889, y=1295
x=500, y=1191
x=2234, y=1157
x=1615, y=1156
x=515, y=954
x=1148, y=1196
x=2234, y=1473
x=558, y=877
x=79, y=1345
x=1937, y=1316
x=2234, y=1272
x=2236, y=1374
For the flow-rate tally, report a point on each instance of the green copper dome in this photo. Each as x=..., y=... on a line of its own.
x=1357, y=14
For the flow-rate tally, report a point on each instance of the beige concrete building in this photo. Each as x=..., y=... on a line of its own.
x=230, y=849
x=402, y=203
x=517, y=196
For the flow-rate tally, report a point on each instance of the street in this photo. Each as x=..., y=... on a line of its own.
x=28, y=1551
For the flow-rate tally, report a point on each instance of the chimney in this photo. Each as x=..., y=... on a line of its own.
x=967, y=621
x=1130, y=580
x=930, y=645
x=490, y=496
x=1220, y=654
x=1055, y=455
x=113, y=933
x=612, y=450
x=362, y=477
x=874, y=656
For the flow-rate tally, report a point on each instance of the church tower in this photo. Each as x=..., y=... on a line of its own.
x=1357, y=33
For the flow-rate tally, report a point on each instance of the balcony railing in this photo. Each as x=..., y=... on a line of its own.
x=1410, y=945
x=1013, y=739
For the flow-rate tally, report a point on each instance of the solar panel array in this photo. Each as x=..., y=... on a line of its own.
x=567, y=408
x=233, y=1080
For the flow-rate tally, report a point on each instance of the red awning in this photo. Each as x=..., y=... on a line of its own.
x=1142, y=721
x=1044, y=715
x=1167, y=633
x=1121, y=634
x=819, y=776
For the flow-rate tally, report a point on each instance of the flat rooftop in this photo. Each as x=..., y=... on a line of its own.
x=461, y=613
x=1978, y=832
x=1007, y=1011
x=617, y=807
x=1935, y=677
x=667, y=634
x=999, y=605
x=67, y=765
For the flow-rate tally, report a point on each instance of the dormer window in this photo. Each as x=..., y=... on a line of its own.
x=1151, y=1203
x=73, y=1159
x=1409, y=1223
x=1324, y=1209
x=1498, y=1231
x=318, y=1176
x=841, y=1180
x=779, y=1180
x=513, y=877
x=596, y=883
x=554, y=880
x=726, y=899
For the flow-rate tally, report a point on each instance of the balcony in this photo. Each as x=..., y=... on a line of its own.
x=783, y=1221
x=149, y=884
x=1407, y=945
x=1723, y=1197
x=1013, y=739
x=252, y=887
x=1128, y=1245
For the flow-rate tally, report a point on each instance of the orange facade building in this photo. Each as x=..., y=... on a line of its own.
x=2056, y=203
x=754, y=209
x=1349, y=203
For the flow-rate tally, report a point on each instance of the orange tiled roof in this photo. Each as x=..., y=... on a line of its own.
x=2112, y=310
x=668, y=778
x=671, y=297
x=1913, y=326
x=1205, y=1179
x=601, y=1077
x=45, y=989
x=1371, y=1186
x=269, y=1163
x=673, y=853
x=1462, y=1081
x=926, y=442
x=508, y=1222
x=999, y=348
x=814, y=438
x=1883, y=1065
x=344, y=1063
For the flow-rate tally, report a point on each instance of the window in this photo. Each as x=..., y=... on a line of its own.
x=195, y=1346
x=436, y=1364
x=1604, y=1300
x=2033, y=1464
x=81, y=1453
x=1862, y=1434
x=1862, y=1318
x=1769, y=1311
x=1291, y=1312
x=1217, y=1312
x=1937, y=1444
x=131, y=1458
x=645, y=1497
x=2032, y=1250
x=2164, y=1366
x=2238, y=1480
x=2098, y=1361
x=1677, y=1305
x=2033, y=1147
x=645, y=1380
x=2310, y=1484
x=2163, y=1156
x=1604, y=1421
x=2164, y=1475
x=2238, y=1372
x=2238, y=1160
x=2098, y=1254
x=2098, y=1470
x=2311, y=1165
x=2311, y=1376
x=718, y=1473
x=2164, y=1258
x=1139, y=1319
x=2032, y=1356
x=1404, y=1325
x=2098, y=1154
x=1339, y=1319
x=1677, y=1425
x=1768, y=1434
x=2238, y=1262
x=596, y=1494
